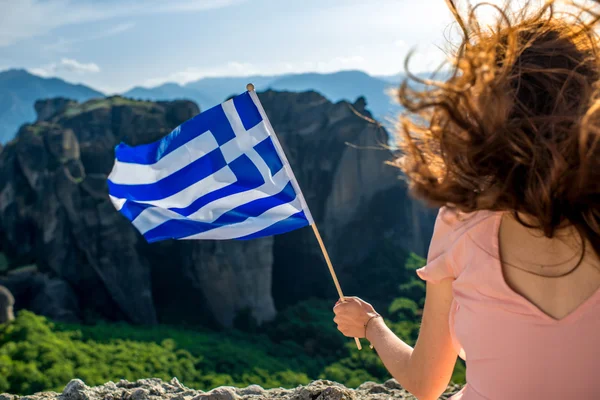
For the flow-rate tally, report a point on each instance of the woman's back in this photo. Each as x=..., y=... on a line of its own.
x=545, y=271
x=518, y=338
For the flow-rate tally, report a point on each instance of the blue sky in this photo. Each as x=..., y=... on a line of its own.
x=113, y=45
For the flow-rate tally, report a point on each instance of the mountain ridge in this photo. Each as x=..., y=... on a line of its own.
x=346, y=85
x=19, y=89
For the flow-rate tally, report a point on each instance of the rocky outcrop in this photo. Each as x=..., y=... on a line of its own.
x=52, y=297
x=55, y=212
x=46, y=109
x=155, y=389
x=7, y=301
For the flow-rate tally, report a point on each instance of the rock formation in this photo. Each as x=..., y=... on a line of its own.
x=7, y=301
x=155, y=389
x=49, y=296
x=55, y=212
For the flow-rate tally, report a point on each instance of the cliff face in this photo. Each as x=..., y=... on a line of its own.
x=54, y=211
x=155, y=389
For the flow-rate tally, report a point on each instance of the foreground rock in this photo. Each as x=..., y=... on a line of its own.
x=155, y=389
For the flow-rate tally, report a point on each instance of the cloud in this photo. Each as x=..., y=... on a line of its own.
x=28, y=18
x=66, y=65
x=63, y=45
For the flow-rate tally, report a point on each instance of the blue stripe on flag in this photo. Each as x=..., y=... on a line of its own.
x=248, y=178
x=213, y=120
x=177, y=228
x=247, y=110
x=257, y=207
x=174, y=183
x=291, y=223
x=131, y=209
x=266, y=149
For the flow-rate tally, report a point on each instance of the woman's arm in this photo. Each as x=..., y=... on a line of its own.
x=425, y=370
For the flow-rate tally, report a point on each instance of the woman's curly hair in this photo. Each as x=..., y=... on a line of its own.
x=516, y=126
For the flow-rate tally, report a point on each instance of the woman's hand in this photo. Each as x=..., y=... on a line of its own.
x=351, y=315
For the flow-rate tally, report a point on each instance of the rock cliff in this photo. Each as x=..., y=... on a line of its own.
x=55, y=212
x=155, y=389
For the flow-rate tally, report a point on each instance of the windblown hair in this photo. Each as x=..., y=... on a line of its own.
x=516, y=126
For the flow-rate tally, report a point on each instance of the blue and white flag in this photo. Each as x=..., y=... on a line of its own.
x=219, y=175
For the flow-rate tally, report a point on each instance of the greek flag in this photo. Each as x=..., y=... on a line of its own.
x=219, y=175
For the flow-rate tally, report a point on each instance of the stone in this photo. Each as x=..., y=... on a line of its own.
x=44, y=295
x=110, y=386
x=142, y=389
x=336, y=393
x=48, y=108
x=392, y=384
x=139, y=394
x=220, y=393
x=175, y=382
x=252, y=390
x=7, y=302
x=322, y=390
x=76, y=390
x=373, y=387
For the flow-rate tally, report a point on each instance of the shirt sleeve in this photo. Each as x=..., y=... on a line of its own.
x=439, y=263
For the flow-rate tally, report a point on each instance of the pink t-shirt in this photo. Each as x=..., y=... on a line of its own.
x=512, y=349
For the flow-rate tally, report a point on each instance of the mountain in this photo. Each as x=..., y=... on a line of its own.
x=344, y=85
x=338, y=86
x=395, y=79
x=19, y=90
x=173, y=91
x=206, y=92
x=55, y=212
x=224, y=87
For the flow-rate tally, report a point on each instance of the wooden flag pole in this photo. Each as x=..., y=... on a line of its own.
x=331, y=270
x=250, y=88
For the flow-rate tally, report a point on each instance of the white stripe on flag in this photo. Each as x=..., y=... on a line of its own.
x=139, y=174
x=252, y=225
x=150, y=218
x=187, y=196
x=244, y=142
x=153, y=217
x=118, y=203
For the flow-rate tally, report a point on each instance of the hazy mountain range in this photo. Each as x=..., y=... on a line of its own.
x=20, y=89
x=18, y=92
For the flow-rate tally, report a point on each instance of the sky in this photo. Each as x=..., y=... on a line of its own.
x=114, y=45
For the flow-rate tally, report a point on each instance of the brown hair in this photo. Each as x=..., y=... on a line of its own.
x=516, y=126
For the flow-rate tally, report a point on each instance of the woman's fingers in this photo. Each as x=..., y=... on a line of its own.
x=350, y=315
x=350, y=330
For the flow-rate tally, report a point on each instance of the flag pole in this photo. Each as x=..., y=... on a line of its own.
x=250, y=89
x=331, y=270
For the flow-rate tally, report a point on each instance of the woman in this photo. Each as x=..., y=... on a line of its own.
x=509, y=148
